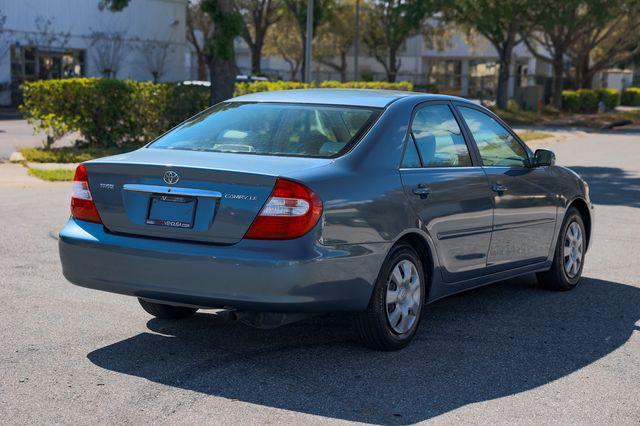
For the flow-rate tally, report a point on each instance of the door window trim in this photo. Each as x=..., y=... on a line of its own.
x=456, y=105
x=409, y=137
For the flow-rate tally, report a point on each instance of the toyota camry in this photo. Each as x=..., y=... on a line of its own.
x=277, y=205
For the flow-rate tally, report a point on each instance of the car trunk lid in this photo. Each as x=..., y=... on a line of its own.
x=187, y=195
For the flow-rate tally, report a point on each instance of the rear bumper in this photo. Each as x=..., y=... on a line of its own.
x=272, y=276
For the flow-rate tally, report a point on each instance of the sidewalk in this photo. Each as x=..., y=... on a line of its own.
x=16, y=175
x=18, y=134
x=557, y=136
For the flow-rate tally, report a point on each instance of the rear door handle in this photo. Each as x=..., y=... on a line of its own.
x=499, y=188
x=422, y=190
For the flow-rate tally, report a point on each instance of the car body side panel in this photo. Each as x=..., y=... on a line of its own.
x=457, y=213
x=524, y=216
x=570, y=187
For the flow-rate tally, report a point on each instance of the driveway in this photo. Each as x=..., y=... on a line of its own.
x=506, y=353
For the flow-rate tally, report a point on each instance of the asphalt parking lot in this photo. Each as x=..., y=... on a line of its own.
x=507, y=353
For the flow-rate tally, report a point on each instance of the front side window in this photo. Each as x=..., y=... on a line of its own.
x=438, y=138
x=496, y=145
x=271, y=129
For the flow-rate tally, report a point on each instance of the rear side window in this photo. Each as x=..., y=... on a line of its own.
x=439, y=138
x=272, y=129
x=496, y=145
x=411, y=158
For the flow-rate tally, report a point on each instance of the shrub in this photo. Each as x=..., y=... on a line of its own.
x=631, y=96
x=111, y=113
x=185, y=101
x=610, y=97
x=49, y=106
x=265, y=86
x=570, y=100
x=376, y=85
x=268, y=86
x=586, y=100
x=107, y=112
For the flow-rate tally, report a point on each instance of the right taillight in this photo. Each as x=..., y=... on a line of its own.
x=82, y=205
x=290, y=212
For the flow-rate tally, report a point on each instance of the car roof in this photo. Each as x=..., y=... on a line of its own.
x=352, y=97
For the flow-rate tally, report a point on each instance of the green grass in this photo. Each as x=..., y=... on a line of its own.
x=53, y=175
x=529, y=136
x=68, y=154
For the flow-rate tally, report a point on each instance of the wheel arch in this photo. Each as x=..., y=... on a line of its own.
x=423, y=247
x=583, y=208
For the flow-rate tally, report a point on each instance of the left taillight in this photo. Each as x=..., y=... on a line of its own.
x=82, y=205
x=290, y=212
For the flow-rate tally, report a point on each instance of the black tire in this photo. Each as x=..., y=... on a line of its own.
x=373, y=327
x=557, y=278
x=163, y=311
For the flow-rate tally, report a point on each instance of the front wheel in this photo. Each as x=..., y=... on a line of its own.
x=391, y=320
x=160, y=310
x=568, y=259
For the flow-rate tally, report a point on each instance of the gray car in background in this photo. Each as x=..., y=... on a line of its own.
x=280, y=204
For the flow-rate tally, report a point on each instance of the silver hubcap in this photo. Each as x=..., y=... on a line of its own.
x=403, y=296
x=573, y=250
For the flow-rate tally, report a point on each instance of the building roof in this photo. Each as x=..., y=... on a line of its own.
x=355, y=97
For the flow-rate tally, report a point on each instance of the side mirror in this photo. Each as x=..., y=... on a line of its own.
x=543, y=157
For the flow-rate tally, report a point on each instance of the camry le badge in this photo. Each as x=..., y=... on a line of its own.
x=171, y=177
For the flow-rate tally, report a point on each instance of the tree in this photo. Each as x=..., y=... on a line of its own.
x=258, y=17
x=221, y=55
x=608, y=38
x=556, y=26
x=499, y=21
x=218, y=45
x=109, y=50
x=284, y=41
x=322, y=11
x=336, y=37
x=47, y=34
x=390, y=24
x=155, y=55
x=199, y=29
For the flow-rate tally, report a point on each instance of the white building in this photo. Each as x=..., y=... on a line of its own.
x=43, y=39
x=67, y=38
x=462, y=68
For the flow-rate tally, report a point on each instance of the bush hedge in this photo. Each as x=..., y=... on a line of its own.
x=114, y=113
x=586, y=100
x=267, y=86
x=631, y=96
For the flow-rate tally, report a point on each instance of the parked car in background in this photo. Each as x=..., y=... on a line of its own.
x=276, y=204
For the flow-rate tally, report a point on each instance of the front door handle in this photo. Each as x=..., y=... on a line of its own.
x=422, y=190
x=499, y=188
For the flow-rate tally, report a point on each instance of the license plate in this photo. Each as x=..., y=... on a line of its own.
x=173, y=211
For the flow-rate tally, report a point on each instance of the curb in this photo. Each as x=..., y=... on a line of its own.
x=16, y=157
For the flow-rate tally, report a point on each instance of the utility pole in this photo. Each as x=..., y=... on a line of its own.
x=309, y=38
x=356, y=44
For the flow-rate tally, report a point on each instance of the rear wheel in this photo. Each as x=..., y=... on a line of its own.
x=391, y=320
x=160, y=310
x=568, y=260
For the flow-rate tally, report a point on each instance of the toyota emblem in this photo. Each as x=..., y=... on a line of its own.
x=171, y=177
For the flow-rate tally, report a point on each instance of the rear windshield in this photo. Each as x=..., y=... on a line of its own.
x=272, y=129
